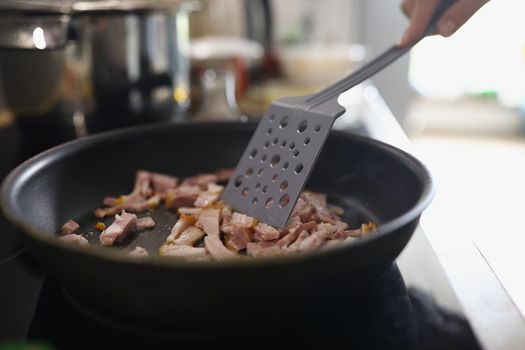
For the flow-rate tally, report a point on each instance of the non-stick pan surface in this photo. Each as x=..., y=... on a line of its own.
x=371, y=180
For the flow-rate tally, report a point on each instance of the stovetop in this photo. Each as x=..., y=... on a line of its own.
x=38, y=308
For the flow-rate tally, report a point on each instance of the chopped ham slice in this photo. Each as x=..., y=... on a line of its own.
x=182, y=251
x=145, y=223
x=264, y=232
x=182, y=224
x=318, y=201
x=138, y=252
x=226, y=213
x=189, y=211
x=190, y=236
x=223, y=175
x=217, y=250
x=317, y=238
x=181, y=196
x=214, y=188
x=242, y=220
x=163, y=183
x=239, y=238
x=303, y=210
x=210, y=219
x=206, y=199
x=142, y=183
x=132, y=203
x=201, y=180
x=294, y=233
x=263, y=249
x=295, y=246
x=69, y=227
x=226, y=225
x=75, y=239
x=119, y=229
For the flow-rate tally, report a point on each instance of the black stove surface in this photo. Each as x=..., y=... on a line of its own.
x=38, y=308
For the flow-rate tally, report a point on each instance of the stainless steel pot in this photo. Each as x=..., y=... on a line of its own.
x=94, y=65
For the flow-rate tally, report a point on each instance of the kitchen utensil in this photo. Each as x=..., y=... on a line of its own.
x=369, y=179
x=281, y=154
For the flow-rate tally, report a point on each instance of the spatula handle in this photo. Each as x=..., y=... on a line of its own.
x=380, y=62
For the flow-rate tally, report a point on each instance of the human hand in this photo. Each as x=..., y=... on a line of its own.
x=420, y=12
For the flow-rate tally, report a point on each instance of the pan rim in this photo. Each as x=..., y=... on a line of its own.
x=24, y=170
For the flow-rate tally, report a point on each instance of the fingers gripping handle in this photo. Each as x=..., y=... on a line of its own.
x=377, y=64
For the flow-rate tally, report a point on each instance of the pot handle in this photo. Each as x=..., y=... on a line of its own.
x=33, y=31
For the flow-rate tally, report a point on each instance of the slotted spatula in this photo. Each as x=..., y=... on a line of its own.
x=284, y=148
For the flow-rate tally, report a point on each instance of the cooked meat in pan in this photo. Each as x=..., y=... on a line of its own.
x=207, y=229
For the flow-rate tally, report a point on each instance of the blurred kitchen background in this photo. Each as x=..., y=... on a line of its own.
x=461, y=100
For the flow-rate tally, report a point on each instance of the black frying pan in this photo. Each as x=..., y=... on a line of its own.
x=371, y=180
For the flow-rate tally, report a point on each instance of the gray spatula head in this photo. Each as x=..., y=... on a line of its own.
x=278, y=160
x=281, y=154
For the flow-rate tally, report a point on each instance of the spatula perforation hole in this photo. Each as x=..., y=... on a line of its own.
x=275, y=160
x=299, y=168
x=284, y=185
x=269, y=203
x=284, y=122
x=238, y=181
x=284, y=200
x=302, y=126
x=283, y=143
x=296, y=153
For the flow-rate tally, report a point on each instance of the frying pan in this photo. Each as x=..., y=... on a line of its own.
x=369, y=179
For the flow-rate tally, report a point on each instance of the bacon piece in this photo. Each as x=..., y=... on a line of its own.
x=318, y=201
x=145, y=223
x=263, y=249
x=317, y=238
x=294, y=233
x=239, y=238
x=217, y=250
x=242, y=220
x=206, y=199
x=133, y=203
x=201, y=180
x=142, y=183
x=163, y=183
x=119, y=229
x=210, y=219
x=182, y=224
x=264, y=232
x=303, y=209
x=223, y=175
x=190, y=236
x=182, y=251
x=365, y=229
x=69, y=227
x=75, y=239
x=214, y=188
x=189, y=211
x=295, y=246
x=181, y=196
x=139, y=252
